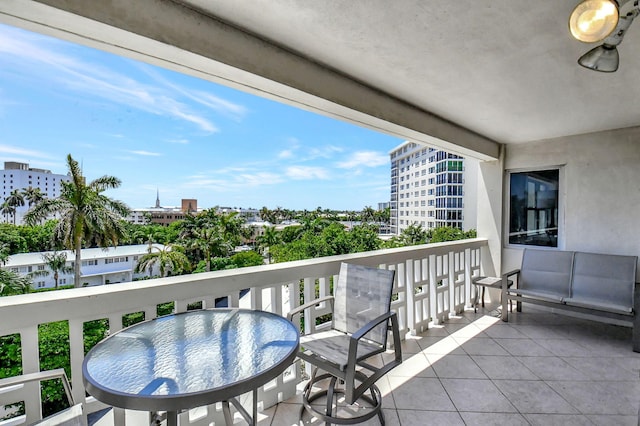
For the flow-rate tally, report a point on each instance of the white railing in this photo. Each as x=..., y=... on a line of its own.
x=432, y=282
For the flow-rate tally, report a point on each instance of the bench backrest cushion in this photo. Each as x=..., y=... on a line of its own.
x=546, y=271
x=606, y=278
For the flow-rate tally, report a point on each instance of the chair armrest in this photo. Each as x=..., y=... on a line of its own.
x=308, y=305
x=38, y=377
x=355, y=338
x=371, y=325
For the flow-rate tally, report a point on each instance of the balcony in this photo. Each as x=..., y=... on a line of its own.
x=432, y=283
x=485, y=80
x=460, y=367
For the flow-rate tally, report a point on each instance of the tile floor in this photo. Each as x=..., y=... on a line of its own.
x=539, y=368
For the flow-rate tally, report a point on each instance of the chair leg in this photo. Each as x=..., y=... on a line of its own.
x=330, y=394
x=327, y=414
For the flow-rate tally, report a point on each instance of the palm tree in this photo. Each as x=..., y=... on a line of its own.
x=86, y=215
x=33, y=196
x=7, y=211
x=12, y=283
x=269, y=238
x=57, y=263
x=5, y=250
x=169, y=258
x=368, y=214
x=15, y=200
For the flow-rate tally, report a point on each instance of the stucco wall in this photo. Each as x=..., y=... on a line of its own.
x=599, y=190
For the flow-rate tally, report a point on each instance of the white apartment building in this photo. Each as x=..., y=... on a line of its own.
x=20, y=176
x=99, y=266
x=429, y=189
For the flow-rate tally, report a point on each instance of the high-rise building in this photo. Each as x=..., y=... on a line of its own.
x=431, y=188
x=20, y=176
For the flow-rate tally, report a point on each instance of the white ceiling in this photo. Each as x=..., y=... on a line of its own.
x=503, y=68
x=492, y=70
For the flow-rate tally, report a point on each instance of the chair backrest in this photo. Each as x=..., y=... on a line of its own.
x=605, y=277
x=546, y=270
x=362, y=294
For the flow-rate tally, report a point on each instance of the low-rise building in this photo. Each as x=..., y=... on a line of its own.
x=99, y=266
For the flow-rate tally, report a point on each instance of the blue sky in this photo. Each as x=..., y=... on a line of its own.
x=188, y=138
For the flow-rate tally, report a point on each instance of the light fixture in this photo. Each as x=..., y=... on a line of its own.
x=593, y=20
x=602, y=58
x=599, y=20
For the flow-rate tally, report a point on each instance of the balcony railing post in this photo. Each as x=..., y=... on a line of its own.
x=452, y=283
x=467, y=277
x=406, y=281
x=76, y=355
x=433, y=288
x=31, y=364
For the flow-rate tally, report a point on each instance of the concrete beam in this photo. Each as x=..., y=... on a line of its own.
x=168, y=34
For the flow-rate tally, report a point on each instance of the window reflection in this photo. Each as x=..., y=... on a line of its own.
x=534, y=208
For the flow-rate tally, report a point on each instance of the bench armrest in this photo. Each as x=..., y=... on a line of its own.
x=510, y=273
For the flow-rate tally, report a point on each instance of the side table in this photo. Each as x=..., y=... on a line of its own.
x=490, y=282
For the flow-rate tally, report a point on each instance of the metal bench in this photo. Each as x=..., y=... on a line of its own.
x=601, y=285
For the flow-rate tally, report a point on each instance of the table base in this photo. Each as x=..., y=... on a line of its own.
x=172, y=416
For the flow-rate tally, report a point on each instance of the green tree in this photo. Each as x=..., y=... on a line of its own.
x=411, y=235
x=34, y=196
x=270, y=237
x=170, y=259
x=368, y=214
x=447, y=233
x=247, y=258
x=7, y=210
x=12, y=283
x=57, y=263
x=86, y=214
x=211, y=234
x=15, y=200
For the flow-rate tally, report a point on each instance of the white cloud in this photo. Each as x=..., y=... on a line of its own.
x=179, y=141
x=234, y=181
x=30, y=52
x=306, y=173
x=324, y=152
x=364, y=159
x=146, y=153
x=287, y=153
x=13, y=150
x=215, y=103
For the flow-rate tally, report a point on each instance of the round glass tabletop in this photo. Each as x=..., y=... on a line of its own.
x=190, y=359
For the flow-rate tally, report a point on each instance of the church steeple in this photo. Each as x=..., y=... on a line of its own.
x=157, y=199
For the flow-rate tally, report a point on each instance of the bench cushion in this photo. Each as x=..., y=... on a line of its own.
x=603, y=281
x=546, y=272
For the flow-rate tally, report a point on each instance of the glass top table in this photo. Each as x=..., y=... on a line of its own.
x=190, y=359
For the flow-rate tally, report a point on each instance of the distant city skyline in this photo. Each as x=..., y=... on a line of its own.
x=158, y=130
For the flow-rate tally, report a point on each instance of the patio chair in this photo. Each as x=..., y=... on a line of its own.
x=360, y=325
x=71, y=416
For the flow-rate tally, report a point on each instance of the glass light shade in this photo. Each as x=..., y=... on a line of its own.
x=593, y=20
x=603, y=58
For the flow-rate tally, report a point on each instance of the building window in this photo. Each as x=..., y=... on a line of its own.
x=533, y=218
